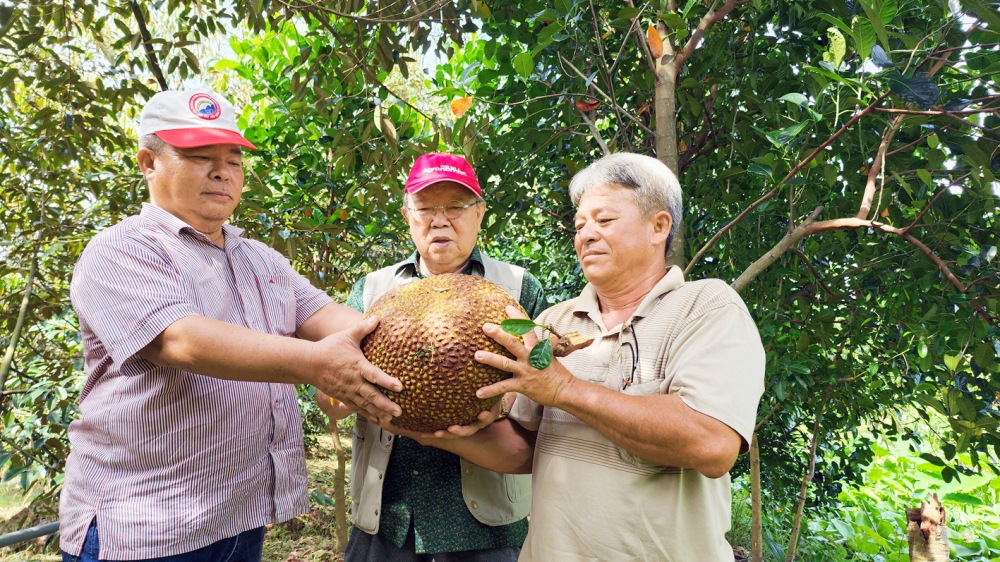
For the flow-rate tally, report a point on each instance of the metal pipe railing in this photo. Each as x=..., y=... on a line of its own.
x=28, y=534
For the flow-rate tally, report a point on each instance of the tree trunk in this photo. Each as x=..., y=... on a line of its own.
x=8, y=358
x=665, y=113
x=757, y=526
x=339, y=494
x=927, y=532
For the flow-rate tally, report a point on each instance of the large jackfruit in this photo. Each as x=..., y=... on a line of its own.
x=429, y=331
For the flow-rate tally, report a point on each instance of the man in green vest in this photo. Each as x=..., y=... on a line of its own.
x=417, y=503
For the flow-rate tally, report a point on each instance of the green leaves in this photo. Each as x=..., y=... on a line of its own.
x=523, y=64
x=918, y=90
x=541, y=355
x=518, y=326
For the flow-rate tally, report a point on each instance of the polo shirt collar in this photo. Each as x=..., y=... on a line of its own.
x=587, y=304
x=174, y=225
x=412, y=263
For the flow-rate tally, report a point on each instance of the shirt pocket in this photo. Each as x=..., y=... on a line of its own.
x=648, y=388
x=278, y=299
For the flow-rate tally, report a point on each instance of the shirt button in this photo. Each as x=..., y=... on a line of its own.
x=379, y=476
x=474, y=505
x=469, y=471
x=376, y=512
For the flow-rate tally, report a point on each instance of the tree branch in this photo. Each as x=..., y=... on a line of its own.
x=931, y=203
x=325, y=22
x=876, y=169
x=154, y=65
x=414, y=18
x=708, y=20
x=595, y=133
x=769, y=195
x=855, y=223
x=606, y=96
x=8, y=357
x=765, y=261
x=806, y=479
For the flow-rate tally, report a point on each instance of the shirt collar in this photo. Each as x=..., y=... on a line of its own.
x=412, y=263
x=588, y=305
x=174, y=225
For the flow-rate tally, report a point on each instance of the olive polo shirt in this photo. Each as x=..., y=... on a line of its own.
x=423, y=485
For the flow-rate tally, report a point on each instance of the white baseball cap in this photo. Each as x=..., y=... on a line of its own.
x=190, y=118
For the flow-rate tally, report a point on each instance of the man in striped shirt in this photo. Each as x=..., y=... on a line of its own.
x=190, y=439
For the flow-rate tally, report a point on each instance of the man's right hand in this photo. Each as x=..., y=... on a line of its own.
x=342, y=371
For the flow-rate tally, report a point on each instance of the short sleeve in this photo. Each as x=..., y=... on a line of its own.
x=356, y=299
x=308, y=299
x=716, y=367
x=532, y=295
x=127, y=294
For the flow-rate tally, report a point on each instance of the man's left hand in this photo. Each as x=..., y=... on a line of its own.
x=543, y=386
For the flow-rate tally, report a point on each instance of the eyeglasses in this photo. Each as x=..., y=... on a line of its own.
x=628, y=360
x=452, y=210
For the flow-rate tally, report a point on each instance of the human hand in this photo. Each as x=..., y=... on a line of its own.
x=543, y=386
x=343, y=372
x=486, y=417
x=333, y=408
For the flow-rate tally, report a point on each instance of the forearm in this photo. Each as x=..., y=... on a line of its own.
x=503, y=446
x=330, y=319
x=218, y=349
x=660, y=429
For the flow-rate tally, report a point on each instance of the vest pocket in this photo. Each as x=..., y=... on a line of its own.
x=518, y=486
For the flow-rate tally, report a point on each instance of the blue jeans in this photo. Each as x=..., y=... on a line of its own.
x=244, y=547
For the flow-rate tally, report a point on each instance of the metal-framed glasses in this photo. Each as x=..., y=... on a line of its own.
x=628, y=360
x=452, y=210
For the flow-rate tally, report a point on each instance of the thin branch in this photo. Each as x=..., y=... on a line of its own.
x=325, y=22
x=606, y=96
x=154, y=65
x=855, y=223
x=805, y=484
x=412, y=19
x=632, y=28
x=595, y=133
x=935, y=112
x=763, y=420
x=769, y=195
x=816, y=275
x=708, y=20
x=15, y=336
x=931, y=202
x=643, y=46
x=755, y=269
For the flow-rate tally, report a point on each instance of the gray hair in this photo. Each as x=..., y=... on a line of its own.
x=152, y=142
x=654, y=187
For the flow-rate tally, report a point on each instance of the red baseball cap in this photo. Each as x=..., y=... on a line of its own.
x=190, y=118
x=433, y=168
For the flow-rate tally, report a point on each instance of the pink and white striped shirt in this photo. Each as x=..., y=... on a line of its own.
x=169, y=461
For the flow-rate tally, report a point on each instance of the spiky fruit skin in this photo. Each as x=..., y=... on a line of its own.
x=429, y=331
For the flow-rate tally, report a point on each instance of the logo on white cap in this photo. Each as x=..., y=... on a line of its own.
x=204, y=106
